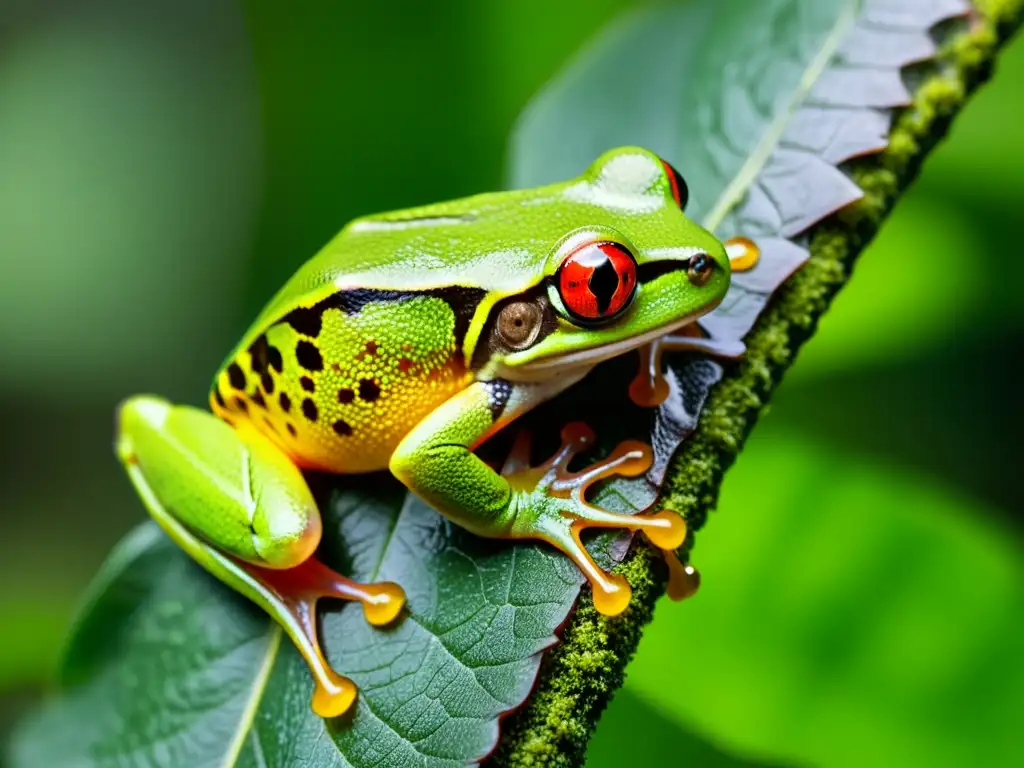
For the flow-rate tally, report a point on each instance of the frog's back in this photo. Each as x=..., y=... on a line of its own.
x=460, y=243
x=339, y=383
x=366, y=338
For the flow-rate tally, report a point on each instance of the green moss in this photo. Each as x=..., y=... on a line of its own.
x=579, y=677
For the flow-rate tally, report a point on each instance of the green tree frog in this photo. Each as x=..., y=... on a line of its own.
x=404, y=344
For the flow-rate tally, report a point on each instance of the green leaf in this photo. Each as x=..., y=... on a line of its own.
x=124, y=669
x=167, y=665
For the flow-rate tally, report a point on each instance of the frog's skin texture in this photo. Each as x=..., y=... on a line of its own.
x=405, y=343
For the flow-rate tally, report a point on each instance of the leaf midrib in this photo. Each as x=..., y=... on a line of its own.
x=274, y=638
x=751, y=169
x=255, y=696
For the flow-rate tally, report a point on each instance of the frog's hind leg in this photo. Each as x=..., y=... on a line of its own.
x=665, y=529
x=241, y=509
x=649, y=388
x=290, y=596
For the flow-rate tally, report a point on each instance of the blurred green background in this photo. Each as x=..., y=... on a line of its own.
x=164, y=166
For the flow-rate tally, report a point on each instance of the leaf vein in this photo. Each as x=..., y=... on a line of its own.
x=762, y=153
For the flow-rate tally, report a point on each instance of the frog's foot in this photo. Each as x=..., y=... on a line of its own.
x=294, y=593
x=683, y=580
x=552, y=506
x=650, y=388
x=743, y=253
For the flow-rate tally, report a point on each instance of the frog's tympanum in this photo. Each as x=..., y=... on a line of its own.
x=404, y=344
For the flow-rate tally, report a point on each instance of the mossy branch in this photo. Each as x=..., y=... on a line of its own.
x=579, y=677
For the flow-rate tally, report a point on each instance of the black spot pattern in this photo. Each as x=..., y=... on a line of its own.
x=241, y=405
x=306, y=320
x=368, y=390
x=346, y=396
x=274, y=359
x=285, y=401
x=268, y=383
x=236, y=377
x=291, y=429
x=219, y=398
x=309, y=356
x=257, y=397
x=307, y=384
x=258, y=354
x=309, y=409
x=342, y=427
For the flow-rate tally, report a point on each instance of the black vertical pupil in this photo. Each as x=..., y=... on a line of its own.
x=603, y=283
x=684, y=191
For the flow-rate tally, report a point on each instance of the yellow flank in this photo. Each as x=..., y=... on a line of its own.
x=342, y=400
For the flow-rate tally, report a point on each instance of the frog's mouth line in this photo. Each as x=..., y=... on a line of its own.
x=587, y=358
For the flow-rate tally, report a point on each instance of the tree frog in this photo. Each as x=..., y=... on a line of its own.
x=405, y=343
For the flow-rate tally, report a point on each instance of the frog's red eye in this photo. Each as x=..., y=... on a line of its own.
x=680, y=192
x=597, y=281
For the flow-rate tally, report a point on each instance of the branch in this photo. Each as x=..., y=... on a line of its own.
x=579, y=677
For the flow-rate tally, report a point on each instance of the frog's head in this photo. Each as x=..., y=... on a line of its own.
x=623, y=266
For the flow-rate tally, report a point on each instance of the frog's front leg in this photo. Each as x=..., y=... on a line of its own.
x=649, y=387
x=436, y=461
x=239, y=506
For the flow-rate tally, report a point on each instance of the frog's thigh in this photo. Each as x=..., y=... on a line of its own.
x=234, y=489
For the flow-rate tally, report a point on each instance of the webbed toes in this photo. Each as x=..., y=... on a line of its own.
x=294, y=593
x=557, y=509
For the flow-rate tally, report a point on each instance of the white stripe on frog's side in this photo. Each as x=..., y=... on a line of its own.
x=505, y=271
x=396, y=225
